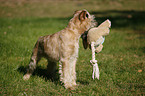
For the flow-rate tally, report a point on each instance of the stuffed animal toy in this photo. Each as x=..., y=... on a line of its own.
x=95, y=37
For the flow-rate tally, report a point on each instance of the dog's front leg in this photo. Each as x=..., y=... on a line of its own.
x=73, y=71
x=67, y=74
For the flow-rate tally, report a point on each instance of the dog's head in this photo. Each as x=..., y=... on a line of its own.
x=82, y=21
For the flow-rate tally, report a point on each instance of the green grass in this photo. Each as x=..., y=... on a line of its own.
x=121, y=61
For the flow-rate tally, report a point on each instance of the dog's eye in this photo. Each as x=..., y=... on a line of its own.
x=87, y=15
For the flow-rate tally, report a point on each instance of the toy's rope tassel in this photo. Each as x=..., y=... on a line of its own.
x=94, y=63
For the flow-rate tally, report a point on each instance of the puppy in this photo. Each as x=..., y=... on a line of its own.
x=63, y=47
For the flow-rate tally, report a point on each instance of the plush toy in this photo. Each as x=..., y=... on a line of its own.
x=95, y=37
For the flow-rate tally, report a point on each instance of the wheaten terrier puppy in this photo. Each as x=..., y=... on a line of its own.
x=63, y=47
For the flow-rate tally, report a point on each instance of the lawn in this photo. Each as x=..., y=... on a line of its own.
x=121, y=62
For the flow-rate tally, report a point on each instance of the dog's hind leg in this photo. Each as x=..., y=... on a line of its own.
x=36, y=56
x=51, y=67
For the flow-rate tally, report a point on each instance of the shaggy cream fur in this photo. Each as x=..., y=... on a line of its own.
x=63, y=47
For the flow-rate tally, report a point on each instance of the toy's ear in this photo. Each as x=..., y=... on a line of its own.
x=106, y=23
x=84, y=39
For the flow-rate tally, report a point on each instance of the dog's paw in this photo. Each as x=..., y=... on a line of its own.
x=26, y=77
x=73, y=87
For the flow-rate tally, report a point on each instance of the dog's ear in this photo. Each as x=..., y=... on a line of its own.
x=83, y=15
x=84, y=39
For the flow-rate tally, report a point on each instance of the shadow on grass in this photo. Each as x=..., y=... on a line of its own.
x=41, y=72
x=83, y=82
x=122, y=19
